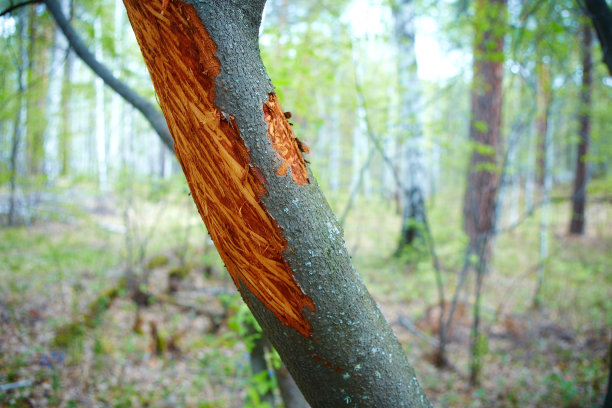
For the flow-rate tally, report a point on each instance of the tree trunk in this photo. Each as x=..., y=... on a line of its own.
x=545, y=215
x=608, y=399
x=601, y=16
x=19, y=127
x=37, y=72
x=360, y=173
x=259, y=365
x=580, y=181
x=485, y=134
x=485, y=123
x=543, y=96
x=53, y=103
x=117, y=131
x=269, y=221
x=413, y=176
x=65, y=137
x=290, y=393
x=100, y=122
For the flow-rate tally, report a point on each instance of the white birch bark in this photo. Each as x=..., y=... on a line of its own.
x=116, y=133
x=411, y=133
x=100, y=125
x=335, y=139
x=544, y=220
x=54, y=96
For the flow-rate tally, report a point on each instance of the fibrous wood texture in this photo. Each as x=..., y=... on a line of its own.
x=210, y=150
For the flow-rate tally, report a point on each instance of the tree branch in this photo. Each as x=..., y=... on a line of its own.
x=14, y=7
x=601, y=17
x=149, y=111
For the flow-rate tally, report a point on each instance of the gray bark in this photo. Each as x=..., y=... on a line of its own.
x=351, y=358
x=149, y=111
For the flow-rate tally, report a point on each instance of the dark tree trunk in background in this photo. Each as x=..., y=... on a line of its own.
x=290, y=392
x=483, y=176
x=262, y=207
x=601, y=16
x=608, y=399
x=485, y=123
x=584, y=117
x=259, y=365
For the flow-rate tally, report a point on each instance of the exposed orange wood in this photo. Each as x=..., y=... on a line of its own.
x=284, y=142
x=225, y=186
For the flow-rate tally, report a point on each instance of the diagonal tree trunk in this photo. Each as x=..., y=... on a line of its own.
x=601, y=15
x=269, y=221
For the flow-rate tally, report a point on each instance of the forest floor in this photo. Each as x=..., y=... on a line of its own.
x=70, y=336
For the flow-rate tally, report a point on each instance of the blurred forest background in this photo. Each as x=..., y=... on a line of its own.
x=465, y=146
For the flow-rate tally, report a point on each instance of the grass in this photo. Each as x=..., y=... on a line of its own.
x=52, y=273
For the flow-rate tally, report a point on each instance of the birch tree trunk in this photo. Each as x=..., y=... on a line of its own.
x=52, y=165
x=117, y=108
x=411, y=132
x=65, y=137
x=335, y=149
x=36, y=72
x=100, y=123
x=264, y=211
x=543, y=95
x=19, y=126
x=545, y=213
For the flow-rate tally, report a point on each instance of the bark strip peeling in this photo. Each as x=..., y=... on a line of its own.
x=284, y=142
x=225, y=186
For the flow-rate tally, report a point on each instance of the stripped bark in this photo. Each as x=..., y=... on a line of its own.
x=269, y=221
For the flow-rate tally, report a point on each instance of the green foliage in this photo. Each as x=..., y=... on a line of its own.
x=242, y=322
x=157, y=261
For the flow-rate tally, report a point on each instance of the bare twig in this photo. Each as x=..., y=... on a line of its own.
x=16, y=384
